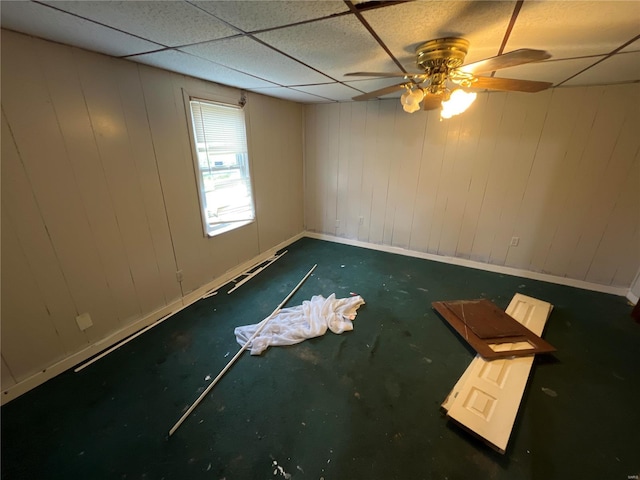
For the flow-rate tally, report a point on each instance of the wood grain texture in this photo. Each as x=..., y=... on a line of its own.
x=487, y=329
x=486, y=398
x=100, y=201
x=6, y=376
x=557, y=169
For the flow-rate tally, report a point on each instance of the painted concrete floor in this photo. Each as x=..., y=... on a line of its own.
x=361, y=405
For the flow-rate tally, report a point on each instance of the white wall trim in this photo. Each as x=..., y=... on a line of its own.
x=632, y=298
x=174, y=307
x=620, y=291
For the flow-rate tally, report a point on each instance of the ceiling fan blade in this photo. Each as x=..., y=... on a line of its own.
x=510, y=84
x=432, y=101
x=511, y=59
x=380, y=92
x=374, y=74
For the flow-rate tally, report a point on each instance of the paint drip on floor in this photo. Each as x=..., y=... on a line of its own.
x=279, y=470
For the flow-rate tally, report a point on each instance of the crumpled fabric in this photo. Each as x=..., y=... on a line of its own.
x=295, y=324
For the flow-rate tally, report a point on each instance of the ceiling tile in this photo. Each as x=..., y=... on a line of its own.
x=332, y=91
x=257, y=15
x=572, y=29
x=620, y=68
x=632, y=47
x=404, y=26
x=290, y=94
x=50, y=24
x=251, y=57
x=180, y=62
x=169, y=23
x=334, y=46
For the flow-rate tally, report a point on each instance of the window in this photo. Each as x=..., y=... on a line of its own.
x=222, y=165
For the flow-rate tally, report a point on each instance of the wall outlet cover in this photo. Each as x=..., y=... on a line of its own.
x=84, y=321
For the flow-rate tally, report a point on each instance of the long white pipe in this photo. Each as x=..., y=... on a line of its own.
x=127, y=340
x=261, y=325
x=256, y=272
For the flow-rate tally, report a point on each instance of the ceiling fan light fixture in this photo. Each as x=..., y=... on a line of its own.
x=458, y=102
x=411, y=107
x=411, y=99
x=412, y=96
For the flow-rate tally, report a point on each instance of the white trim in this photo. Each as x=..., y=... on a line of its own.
x=632, y=298
x=463, y=262
x=174, y=307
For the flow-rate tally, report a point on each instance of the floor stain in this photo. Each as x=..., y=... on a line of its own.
x=306, y=354
x=549, y=392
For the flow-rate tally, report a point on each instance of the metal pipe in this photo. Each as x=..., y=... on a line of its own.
x=261, y=325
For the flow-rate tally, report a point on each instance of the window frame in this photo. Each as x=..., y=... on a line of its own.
x=224, y=101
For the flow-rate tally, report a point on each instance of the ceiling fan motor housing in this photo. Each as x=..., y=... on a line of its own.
x=449, y=52
x=438, y=57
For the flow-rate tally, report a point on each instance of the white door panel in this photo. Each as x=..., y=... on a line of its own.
x=487, y=396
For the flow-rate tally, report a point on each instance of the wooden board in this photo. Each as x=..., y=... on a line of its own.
x=486, y=328
x=487, y=397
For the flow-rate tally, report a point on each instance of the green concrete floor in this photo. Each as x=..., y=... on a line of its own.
x=361, y=405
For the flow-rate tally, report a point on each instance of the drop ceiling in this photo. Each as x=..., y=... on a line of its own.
x=301, y=50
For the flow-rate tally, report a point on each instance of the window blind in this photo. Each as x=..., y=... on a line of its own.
x=219, y=127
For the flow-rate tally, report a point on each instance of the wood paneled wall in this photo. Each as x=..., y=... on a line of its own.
x=559, y=169
x=99, y=198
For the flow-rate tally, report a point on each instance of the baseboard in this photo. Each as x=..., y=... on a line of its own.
x=164, y=312
x=632, y=298
x=516, y=272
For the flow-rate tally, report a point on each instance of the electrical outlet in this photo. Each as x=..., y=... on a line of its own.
x=361, y=221
x=514, y=241
x=84, y=321
x=179, y=275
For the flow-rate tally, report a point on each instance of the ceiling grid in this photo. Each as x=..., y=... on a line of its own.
x=301, y=50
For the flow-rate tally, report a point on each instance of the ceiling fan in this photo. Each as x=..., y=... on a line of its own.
x=442, y=62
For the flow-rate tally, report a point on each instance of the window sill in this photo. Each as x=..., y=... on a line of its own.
x=228, y=227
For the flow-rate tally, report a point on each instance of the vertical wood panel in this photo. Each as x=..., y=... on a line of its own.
x=276, y=140
x=548, y=168
x=161, y=258
x=320, y=177
x=31, y=115
x=490, y=111
x=344, y=160
x=502, y=166
x=130, y=244
x=330, y=177
x=369, y=147
x=20, y=208
x=429, y=183
x=393, y=181
x=537, y=219
x=311, y=168
x=355, y=164
x=6, y=376
x=571, y=179
x=462, y=161
x=604, y=175
x=98, y=189
x=406, y=163
x=177, y=175
x=446, y=182
x=535, y=108
x=381, y=170
x=622, y=235
x=21, y=299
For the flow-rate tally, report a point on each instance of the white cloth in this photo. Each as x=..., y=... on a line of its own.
x=294, y=324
